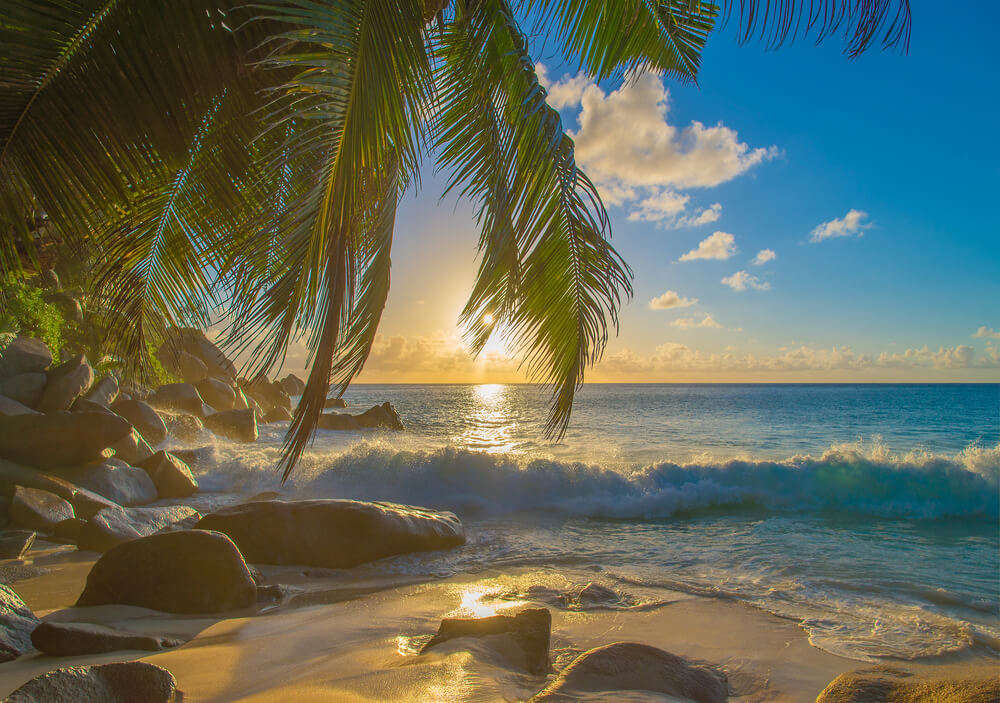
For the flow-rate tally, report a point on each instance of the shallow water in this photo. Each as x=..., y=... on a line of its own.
x=869, y=513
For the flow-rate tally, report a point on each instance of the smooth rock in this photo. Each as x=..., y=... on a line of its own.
x=9, y=406
x=113, y=526
x=171, y=476
x=530, y=630
x=14, y=543
x=22, y=355
x=335, y=403
x=191, y=571
x=132, y=448
x=16, y=623
x=332, y=533
x=104, y=391
x=883, y=683
x=143, y=418
x=182, y=397
x=74, y=639
x=82, y=405
x=187, y=366
x=277, y=415
x=218, y=394
x=183, y=426
x=628, y=666
x=25, y=388
x=237, y=425
x=194, y=342
x=66, y=383
x=380, y=416
x=240, y=401
x=37, y=509
x=59, y=439
x=337, y=421
x=292, y=384
x=68, y=531
x=120, y=682
x=116, y=480
x=268, y=395
x=85, y=503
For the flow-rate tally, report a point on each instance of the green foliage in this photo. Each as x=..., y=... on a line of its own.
x=25, y=311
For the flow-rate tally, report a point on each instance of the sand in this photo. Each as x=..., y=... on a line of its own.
x=361, y=644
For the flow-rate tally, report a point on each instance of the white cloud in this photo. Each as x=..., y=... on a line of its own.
x=852, y=224
x=985, y=332
x=719, y=245
x=741, y=280
x=659, y=206
x=706, y=216
x=763, y=256
x=686, y=323
x=566, y=92
x=671, y=299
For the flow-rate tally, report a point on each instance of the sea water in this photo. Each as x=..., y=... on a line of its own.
x=868, y=513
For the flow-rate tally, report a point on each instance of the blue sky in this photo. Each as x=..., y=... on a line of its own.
x=905, y=139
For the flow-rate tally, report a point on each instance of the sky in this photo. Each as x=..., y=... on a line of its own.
x=796, y=216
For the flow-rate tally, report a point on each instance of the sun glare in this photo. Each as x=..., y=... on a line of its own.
x=487, y=319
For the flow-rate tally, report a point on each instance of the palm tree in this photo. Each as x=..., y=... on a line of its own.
x=217, y=157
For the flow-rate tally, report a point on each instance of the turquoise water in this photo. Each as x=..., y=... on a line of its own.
x=868, y=513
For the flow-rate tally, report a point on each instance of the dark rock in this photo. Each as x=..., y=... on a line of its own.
x=292, y=384
x=335, y=403
x=218, y=394
x=68, y=531
x=628, y=666
x=16, y=623
x=237, y=425
x=121, y=682
x=25, y=388
x=195, y=343
x=113, y=526
x=132, y=448
x=143, y=418
x=171, y=476
x=380, y=416
x=277, y=415
x=9, y=406
x=268, y=395
x=596, y=594
x=883, y=683
x=85, y=503
x=530, y=629
x=182, y=397
x=337, y=421
x=14, y=543
x=82, y=405
x=66, y=383
x=116, y=480
x=74, y=639
x=37, y=509
x=332, y=533
x=183, y=426
x=59, y=439
x=104, y=391
x=22, y=355
x=191, y=571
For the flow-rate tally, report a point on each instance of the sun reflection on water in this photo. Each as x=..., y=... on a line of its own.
x=491, y=423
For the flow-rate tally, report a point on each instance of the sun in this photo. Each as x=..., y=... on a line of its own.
x=487, y=319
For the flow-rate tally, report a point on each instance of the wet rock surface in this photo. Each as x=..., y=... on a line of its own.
x=143, y=418
x=59, y=439
x=113, y=526
x=883, y=683
x=530, y=629
x=123, y=682
x=16, y=624
x=171, y=476
x=71, y=639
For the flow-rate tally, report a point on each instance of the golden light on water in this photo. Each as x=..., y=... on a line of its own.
x=479, y=602
x=490, y=420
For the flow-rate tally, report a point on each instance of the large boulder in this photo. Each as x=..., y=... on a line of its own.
x=116, y=480
x=183, y=426
x=268, y=395
x=240, y=401
x=119, y=682
x=237, y=425
x=85, y=503
x=59, y=439
x=22, y=355
x=187, y=366
x=883, y=683
x=16, y=623
x=37, y=509
x=182, y=397
x=332, y=533
x=218, y=394
x=143, y=418
x=191, y=571
x=113, y=526
x=9, y=406
x=74, y=639
x=25, y=388
x=14, y=543
x=171, y=476
x=104, y=391
x=530, y=630
x=337, y=421
x=292, y=384
x=277, y=415
x=382, y=416
x=132, y=448
x=628, y=666
x=195, y=343
x=335, y=403
x=66, y=383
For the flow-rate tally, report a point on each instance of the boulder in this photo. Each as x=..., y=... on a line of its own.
x=14, y=543
x=182, y=397
x=183, y=426
x=59, y=439
x=85, y=503
x=16, y=623
x=883, y=683
x=82, y=405
x=187, y=366
x=132, y=448
x=335, y=403
x=116, y=480
x=171, y=476
x=113, y=526
x=332, y=533
x=22, y=355
x=25, y=388
x=268, y=395
x=37, y=509
x=74, y=639
x=9, y=406
x=237, y=425
x=218, y=394
x=277, y=415
x=240, y=402
x=530, y=629
x=628, y=666
x=104, y=391
x=292, y=384
x=143, y=418
x=120, y=682
x=200, y=458
x=337, y=421
x=382, y=416
x=67, y=531
x=66, y=383
x=195, y=343
x=191, y=571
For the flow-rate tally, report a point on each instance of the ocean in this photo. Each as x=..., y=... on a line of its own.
x=868, y=513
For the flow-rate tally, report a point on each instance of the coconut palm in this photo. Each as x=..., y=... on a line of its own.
x=245, y=162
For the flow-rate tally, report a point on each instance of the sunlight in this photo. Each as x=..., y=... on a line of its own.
x=491, y=422
x=483, y=603
x=489, y=393
x=487, y=319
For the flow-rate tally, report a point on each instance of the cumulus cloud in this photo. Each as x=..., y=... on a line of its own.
x=671, y=299
x=741, y=280
x=853, y=224
x=659, y=206
x=686, y=323
x=719, y=245
x=763, y=256
x=985, y=332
